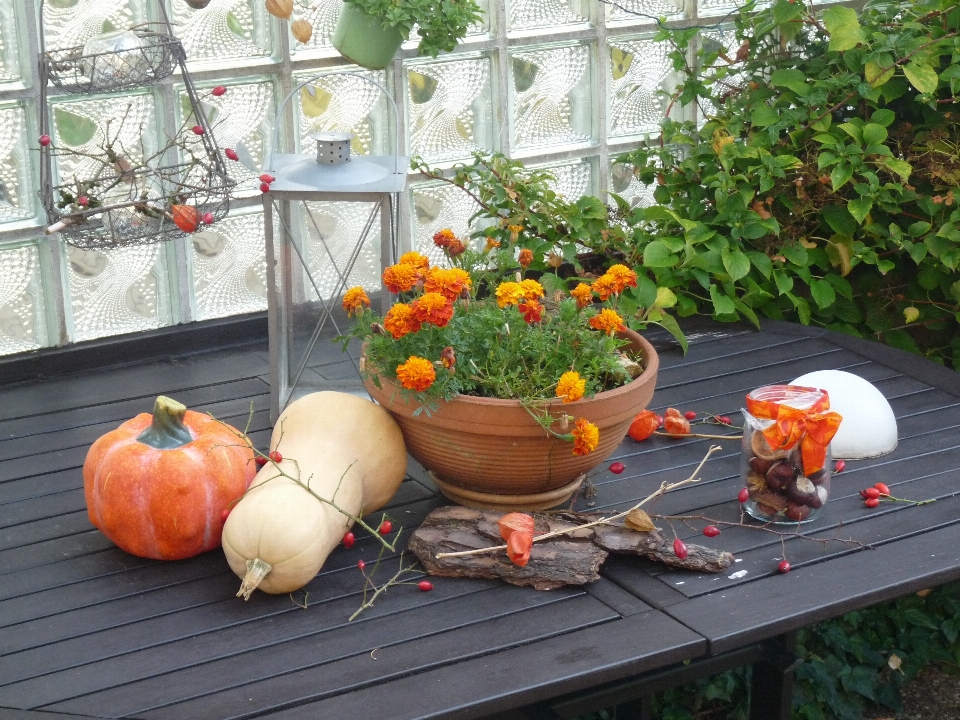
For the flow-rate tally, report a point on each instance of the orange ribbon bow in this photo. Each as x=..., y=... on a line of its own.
x=810, y=425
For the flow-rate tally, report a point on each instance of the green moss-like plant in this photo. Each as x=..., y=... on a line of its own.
x=441, y=24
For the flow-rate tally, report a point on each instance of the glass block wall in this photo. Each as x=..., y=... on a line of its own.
x=565, y=84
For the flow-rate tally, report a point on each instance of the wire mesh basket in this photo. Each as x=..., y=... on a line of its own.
x=140, y=206
x=128, y=59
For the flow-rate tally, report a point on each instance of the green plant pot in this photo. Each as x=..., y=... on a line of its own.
x=363, y=39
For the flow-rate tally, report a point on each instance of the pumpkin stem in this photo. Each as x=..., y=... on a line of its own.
x=167, y=430
x=257, y=570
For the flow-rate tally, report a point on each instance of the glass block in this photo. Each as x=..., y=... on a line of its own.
x=623, y=182
x=223, y=31
x=332, y=232
x=644, y=11
x=572, y=180
x=9, y=55
x=16, y=202
x=22, y=323
x=229, y=267
x=69, y=23
x=638, y=69
x=322, y=14
x=116, y=291
x=551, y=97
x=537, y=14
x=449, y=108
x=720, y=39
x=242, y=119
x=345, y=103
x=437, y=206
x=713, y=8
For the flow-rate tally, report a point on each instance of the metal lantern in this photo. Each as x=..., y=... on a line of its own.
x=306, y=281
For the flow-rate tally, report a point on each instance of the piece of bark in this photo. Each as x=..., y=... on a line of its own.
x=570, y=559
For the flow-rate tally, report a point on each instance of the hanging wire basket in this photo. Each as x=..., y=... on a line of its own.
x=130, y=59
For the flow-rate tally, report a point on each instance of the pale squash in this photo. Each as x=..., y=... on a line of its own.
x=350, y=451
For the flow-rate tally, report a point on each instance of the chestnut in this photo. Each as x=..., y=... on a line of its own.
x=779, y=475
x=801, y=490
x=799, y=513
x=817, y=500
x=759, y=465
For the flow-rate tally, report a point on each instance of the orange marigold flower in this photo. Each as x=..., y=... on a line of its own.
x=400, y=277
x=604, y=286
x=433, y=308
x=509, y=293
x=420, y=262
x=416, y=374
x=400, y=320
x=492, y=243
x=515, y=231
x=531, y=289
x=608, y=321
x=531, y=310
x=570, y=387
x=586, y=437
x=582, y=294
x=448, y=357
x=443, y=238
x=456, y=247
x=448, y=282
x=526, y=257
x=622, y=276
x=354, y=300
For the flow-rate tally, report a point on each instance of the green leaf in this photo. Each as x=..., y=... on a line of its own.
x=735, y=262
x=822, y=293
x=843, y=27
x=790, y=78
x=900, y=167
x=840, y=175
x=784, y=282
x=841, y=285
x=918, y=228
x=665, y=297
x=72, y=129
x=722, y=305
x=797, y=254
x=919, y=618
x=874, y=134
x=764, y=115
x=761, y=261
x=921, y=76
x=877, y=75
x=657, y=254
x=823, y=124
x=918, y=251
x=859, y=208
x=883, y=117
x=852, y=130
x=839, y=219
x=669, y=323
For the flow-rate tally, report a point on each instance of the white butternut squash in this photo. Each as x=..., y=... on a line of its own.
x=350, y=452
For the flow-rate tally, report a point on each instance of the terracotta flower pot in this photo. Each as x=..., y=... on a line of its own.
x=487, y=452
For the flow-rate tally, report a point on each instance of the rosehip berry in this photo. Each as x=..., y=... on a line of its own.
x=83, y=201
x=275, y=456
x=871, y=502
x=882, y=489
x=218, y=91
x=267, y=178
x=617, y=467
x=743, y=495
x=264, y=187
x=208, y=218
x=197, y=130
x=231, y=154
x=840, y=466
x=223, y=514
x=871, y=493
x=425, y=585
x=711, y=531
x=386, y=527
x=349, y=540
x=690, y=415
x=863, y=494
x=784, y=566
x=679, y=549
x=44, y=140
x=261, y=461
x=725, y=420
x=361, y=564
x=659, y=420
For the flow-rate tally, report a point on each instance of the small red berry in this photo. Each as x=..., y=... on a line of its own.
x=231, y=154
x=690, y=415
x=711, y=531
x=83, y=201
x=261, y=461
x=882, y=489
x=386, y=527
x=871, y=493
x=275, y=456
x=361, y=564
x=871, y=502
x=197, y=130
x=725, y=420
x=264, y=187
x=840, y=466
x=349, y=540
x=267, y=178
x=679, y=549
x=208, y=218
x=863, y=494
x=44, y=140
x=617, y=467
x=784, y=566
x=659, y=420
x=223, y=514
x=425, y=585
x=218, y=91
x=743, y=495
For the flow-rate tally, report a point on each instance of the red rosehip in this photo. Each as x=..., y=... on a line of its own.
x=267, y=178
x=743, y=495
x=863, y=494
x=659, y=420
x=840, y=466
x=349, y=540
x=83, y=201
x=690, y=415
x=882, y=489
x=425, y=585
x=386, y=527
x=275, y=456
x=198, y=130
x=870, y=493
x=679, y=549
x=871, y=502
x=617, y=467
x=361, y=564
x=264, y=187
x=44, y=140
x=208, y=218
x=261, y=461
x=218, y=91
x=725, y=420
x=784, y=566
x=231, y=154
x=711, y=531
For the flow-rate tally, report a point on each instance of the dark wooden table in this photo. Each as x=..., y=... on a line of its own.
x=87, y=631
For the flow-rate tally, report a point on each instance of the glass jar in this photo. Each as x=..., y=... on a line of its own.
x=785, y=458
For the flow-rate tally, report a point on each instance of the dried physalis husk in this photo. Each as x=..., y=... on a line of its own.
x=282, y=9
x=638, y=520
x=302, y=30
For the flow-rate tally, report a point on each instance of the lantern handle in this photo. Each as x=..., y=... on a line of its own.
x=275, y=138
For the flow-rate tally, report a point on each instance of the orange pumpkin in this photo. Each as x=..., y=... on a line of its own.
x=160, y=486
